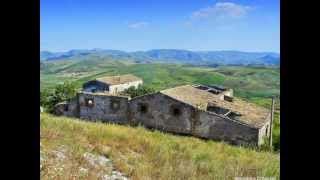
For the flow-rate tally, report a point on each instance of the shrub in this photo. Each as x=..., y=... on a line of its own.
x=62, y=92
x=141, y=90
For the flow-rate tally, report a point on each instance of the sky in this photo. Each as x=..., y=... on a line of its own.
x=138, y=25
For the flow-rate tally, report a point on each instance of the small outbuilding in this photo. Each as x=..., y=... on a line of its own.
x=112, y=84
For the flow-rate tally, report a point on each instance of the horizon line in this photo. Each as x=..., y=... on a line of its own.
x=159, y=49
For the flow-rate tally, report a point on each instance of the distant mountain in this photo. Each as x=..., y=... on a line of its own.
x=172, y=56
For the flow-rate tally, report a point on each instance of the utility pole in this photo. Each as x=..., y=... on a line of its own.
x=271, y=123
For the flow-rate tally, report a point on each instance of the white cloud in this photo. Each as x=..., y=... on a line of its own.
x=221, y=10
x=137, y=25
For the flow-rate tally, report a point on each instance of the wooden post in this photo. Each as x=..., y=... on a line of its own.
x=271, y=122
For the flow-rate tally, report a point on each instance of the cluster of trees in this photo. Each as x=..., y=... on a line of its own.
x=62, y=92
x=141, y=90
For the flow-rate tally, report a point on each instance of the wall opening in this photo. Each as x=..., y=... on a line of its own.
x=115, y=105
x=233, y=115
x=143, y=108
x=89, y=102
x=66, y=107
x=267, y=130
x=175, y=111
x=217, y=110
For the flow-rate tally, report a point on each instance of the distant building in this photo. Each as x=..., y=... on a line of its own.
x=112, y=84
x=204, y=111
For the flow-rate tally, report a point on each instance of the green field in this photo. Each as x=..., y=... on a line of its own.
x=248, y=82
x=143, y=154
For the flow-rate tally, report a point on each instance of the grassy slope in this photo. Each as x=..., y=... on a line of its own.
x=143, y=154
x=247, y=81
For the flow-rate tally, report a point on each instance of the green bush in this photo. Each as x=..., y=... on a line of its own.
x=141, y=90
x=62, y=92
x=44, y=98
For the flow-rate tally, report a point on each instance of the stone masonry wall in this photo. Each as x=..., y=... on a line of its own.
x=69, y=109
x=212, y=126
x=162, y=113
x=105, y=108
x=264, y=131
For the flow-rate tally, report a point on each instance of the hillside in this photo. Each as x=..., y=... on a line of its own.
x=73, y=149
x=171, y=56
x=247, y=81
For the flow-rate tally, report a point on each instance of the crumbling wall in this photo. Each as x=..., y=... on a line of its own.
x=212, y=126
x=69, y=109
x=191, y=121
x=121, y=87
x=105, y=108
x=265, y=130
x=161, y=112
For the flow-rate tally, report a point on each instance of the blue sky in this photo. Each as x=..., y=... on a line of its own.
x=131, y=25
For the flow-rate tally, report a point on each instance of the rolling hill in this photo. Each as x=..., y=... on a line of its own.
x=172, y=56
x=247, y=81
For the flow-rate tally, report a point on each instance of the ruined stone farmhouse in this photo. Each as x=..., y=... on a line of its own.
x=209, y=112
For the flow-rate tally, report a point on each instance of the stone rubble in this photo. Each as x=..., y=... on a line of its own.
x=98, y=161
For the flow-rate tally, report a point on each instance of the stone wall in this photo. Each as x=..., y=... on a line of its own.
x=121, y=87
x=212, y=126
x=159, y=115
x=265, y=130
x=103, y=108
x=161, y=112
x=69, y=109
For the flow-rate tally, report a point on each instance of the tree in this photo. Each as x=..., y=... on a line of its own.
x=44, y=97
x=141, y=90
x=62, y=92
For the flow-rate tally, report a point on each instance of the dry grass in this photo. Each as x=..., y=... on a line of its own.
x=143, y=154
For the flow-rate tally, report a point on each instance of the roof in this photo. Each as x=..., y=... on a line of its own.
x=122, y=79
x=106, y=93
x=250, y=113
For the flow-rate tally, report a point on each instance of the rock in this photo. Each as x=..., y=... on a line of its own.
x=96, y=160
x=83, y=170
x=60, y=155
x=101, y=161
x=114, y=177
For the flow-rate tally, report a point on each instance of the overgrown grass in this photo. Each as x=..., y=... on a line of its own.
x=145, y=154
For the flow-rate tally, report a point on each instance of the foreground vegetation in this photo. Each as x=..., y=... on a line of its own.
x=144, y=154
